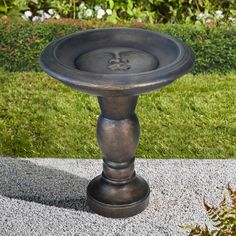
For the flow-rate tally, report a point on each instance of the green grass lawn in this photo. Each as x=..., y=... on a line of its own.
x=195, y=117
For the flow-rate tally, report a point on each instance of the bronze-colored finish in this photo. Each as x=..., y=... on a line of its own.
x=118, y=192
x=116, y=65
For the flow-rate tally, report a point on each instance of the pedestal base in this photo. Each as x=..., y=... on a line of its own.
x=118, y=199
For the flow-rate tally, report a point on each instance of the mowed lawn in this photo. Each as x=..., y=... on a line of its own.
x=195, y=117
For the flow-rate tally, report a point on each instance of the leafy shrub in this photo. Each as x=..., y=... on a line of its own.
x=186, y=11
x=21, y=42
x=12, y=8
x=151, y=11
x=223, y=218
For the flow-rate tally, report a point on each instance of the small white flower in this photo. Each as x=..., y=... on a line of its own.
x=51, y=11
x=36, y=18
x=47, y=16
x=232, y=18
x=208, y=21
x=89, y=12
x=24, y=17
x=200, y=16
x=57, y=16
x=109, y=12
x=219, y=16
x=206, y=15
x=82, y=6
x=40, y=12
x=80, y=15
x=97, y=7
x=100, y=13
x=139, y=20
x=28, y=14
x=219, y=12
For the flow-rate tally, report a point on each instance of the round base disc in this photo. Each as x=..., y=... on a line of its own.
x=114, y=200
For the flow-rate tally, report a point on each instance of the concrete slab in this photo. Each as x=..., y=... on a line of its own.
x=48, y=196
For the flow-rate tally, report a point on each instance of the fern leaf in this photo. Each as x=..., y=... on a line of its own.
x=198, y=231
x=232, y=195
x=223, y=217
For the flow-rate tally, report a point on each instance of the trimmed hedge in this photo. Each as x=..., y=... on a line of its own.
x=21, y=42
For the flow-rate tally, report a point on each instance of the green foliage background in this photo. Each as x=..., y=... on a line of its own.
x=152, y=11
x=22, y=42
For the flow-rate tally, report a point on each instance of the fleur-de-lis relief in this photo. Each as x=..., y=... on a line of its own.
x=118, y=62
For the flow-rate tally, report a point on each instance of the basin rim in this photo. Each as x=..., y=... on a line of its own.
x=116, y=84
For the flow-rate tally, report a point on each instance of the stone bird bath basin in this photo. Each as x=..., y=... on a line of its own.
x=116, y=65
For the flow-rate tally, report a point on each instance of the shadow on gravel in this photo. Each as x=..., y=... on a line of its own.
x=22, y=179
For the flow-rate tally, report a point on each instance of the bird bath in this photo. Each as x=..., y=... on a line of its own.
x=116, y=65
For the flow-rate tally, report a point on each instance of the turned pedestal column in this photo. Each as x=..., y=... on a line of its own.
x=118, y=191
